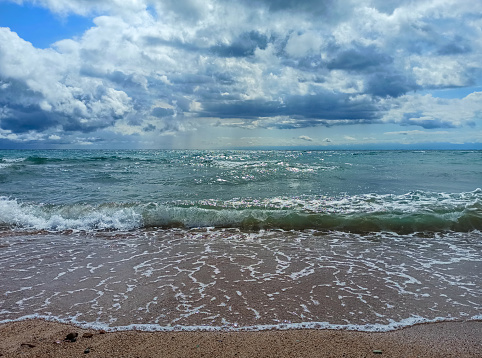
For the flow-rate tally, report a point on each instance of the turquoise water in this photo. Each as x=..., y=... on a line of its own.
x=356, y=191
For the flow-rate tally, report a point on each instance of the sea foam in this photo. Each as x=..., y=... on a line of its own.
x=412, y=212
x=392, y=326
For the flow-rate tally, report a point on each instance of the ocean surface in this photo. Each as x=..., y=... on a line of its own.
x=241, y=240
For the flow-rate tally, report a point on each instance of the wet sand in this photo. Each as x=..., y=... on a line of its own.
x=38, y=338
x=229, y=278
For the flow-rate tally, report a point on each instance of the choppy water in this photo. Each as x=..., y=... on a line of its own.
x=238, y=239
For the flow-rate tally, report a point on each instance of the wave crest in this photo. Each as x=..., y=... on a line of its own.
x=412, y=212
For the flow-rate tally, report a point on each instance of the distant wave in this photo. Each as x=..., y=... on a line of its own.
x=40, y=160
x=412, y=212
x=45, y=160
x=7, y=162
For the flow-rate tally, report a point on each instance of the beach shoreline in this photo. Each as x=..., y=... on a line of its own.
x=240, y=253
x=39, y=338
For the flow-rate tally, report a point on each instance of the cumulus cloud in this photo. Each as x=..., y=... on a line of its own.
x=430, y=112
x=42, y=90
x=249, y=64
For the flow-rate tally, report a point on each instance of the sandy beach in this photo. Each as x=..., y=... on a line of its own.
x=37, y=338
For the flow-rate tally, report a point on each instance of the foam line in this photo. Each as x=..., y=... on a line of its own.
x=392, y=326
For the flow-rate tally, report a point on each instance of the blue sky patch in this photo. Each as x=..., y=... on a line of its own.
x=40, y=26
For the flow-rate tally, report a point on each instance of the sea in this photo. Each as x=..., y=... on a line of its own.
x=236, y=240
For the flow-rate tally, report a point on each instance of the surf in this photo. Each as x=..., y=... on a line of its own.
x=412, y=212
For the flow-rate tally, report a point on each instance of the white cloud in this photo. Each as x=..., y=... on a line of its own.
x=446, y=72
x=430, y=112
x=50, y=82
x=304, y=44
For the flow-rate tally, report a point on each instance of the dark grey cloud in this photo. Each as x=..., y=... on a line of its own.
x=390, y=84
x=457, y=47
x=117, y=77
x=73, y=124
x=25, y=119
x=316, y=8
x=26, y=110
x=381, y=77
x=22, y=111
x=17, y=93
x=155, y=41
x=190, y=79
x=307, y=5
x=162, y=112
x=187, y=10
x=359, y=59
x=430, y=37
x=313, y=64
x=244, y=45
x=419, y=118
x=306, y=111
x=331, y=106
x=149, y=128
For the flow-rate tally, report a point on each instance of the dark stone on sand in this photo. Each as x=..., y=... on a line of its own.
x=71, y=336
x=87, y=335
x=30, y=345
x=102, y=331
x=87, y=350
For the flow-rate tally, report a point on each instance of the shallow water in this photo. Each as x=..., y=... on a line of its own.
x=170, y=279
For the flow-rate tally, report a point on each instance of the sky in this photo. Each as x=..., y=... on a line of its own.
x=212, y=74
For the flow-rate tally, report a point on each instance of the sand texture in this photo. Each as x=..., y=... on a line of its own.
x=37, y=338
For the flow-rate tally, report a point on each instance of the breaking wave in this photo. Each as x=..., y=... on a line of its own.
x=412, y=212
